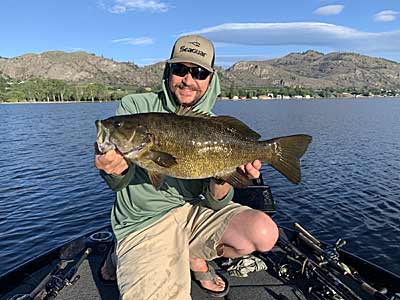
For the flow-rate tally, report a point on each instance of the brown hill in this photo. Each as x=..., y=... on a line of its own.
x=309, y=69
x=342, y=69
x=77, y=67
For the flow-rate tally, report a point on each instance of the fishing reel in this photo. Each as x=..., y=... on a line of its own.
x=331, y=253
x=293, y=269
x=287, y=272
x=57, y=284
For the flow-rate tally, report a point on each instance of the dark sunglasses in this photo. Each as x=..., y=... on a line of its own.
x=181, y=70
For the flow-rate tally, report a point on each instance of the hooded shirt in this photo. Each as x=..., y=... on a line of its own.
x=138, y=204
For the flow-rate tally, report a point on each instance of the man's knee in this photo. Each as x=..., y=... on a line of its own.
x=264, y=231
x=249, y=231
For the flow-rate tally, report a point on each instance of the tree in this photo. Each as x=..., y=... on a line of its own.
x=15, y=96
x=28, y=88
x=2, y=96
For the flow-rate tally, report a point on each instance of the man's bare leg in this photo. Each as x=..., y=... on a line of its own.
x=249, y=231
x=199, y=265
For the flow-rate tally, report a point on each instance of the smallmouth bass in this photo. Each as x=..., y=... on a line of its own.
x=192, y=145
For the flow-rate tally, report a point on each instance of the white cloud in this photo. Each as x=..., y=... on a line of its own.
x=122, y=6
x=329, y=10
x=386, y=16
x=118, y=9
x=302, y=33
x=141, y=41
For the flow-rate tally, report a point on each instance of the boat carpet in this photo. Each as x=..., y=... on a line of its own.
x=258, y=285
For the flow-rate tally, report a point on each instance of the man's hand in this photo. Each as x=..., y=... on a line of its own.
x=252, y=170
x=111, y=162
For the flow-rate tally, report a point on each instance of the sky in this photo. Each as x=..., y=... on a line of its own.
x=143, y=31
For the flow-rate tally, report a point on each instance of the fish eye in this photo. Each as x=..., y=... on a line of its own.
x=117, y=124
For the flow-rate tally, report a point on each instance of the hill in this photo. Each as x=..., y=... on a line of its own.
x=310, y=69
x=315, y=70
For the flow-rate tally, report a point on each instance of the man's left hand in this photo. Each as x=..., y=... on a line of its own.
x=252, y=170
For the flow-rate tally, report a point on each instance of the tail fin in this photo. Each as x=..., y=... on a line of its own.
x=286, y=154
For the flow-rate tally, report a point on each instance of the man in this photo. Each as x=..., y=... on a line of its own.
x=163, y=235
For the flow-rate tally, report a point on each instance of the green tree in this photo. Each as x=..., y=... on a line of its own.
x=15, y=96
x=29, y=89
x=2, y=96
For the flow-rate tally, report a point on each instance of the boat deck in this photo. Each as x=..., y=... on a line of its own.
x=264, y=284
x=258, y=285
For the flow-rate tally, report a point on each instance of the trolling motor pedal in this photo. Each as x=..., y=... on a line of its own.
x=257, y=196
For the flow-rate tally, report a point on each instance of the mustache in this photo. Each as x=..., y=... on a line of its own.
x=191, y=87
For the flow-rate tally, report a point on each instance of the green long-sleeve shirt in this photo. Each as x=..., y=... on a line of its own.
x=138, y=204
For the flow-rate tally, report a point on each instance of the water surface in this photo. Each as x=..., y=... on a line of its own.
x=50, y=191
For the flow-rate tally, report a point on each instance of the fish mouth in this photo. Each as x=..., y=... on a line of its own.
x=103, y=138
x=105, y=142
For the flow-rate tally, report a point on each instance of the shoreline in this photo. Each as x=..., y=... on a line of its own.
x=56, y=102
x=223, y=99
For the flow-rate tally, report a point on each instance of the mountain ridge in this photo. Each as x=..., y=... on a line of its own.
x=309, y=69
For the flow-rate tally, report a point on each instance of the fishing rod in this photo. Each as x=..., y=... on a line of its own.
x=297, y=272
x=321, y=273
x=59, y=281
x=330, y=256
x=55, y=274
x=330, y=285
x=38, y=291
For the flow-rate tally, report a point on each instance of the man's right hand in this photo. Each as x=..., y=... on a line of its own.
x=111, y=162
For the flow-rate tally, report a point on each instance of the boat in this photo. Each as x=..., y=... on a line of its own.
x=298, y=267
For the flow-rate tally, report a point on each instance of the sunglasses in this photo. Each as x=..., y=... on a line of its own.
x=198, y=73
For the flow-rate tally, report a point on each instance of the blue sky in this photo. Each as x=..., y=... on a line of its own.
x=143, y=31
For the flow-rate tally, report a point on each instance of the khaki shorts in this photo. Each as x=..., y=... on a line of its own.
x=153, y=263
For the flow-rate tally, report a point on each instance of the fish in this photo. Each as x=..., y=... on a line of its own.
x=196, y=145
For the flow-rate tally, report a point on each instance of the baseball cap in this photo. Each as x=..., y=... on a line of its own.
x=193, y=49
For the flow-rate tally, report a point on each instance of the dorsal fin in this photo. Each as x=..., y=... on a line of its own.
x=230, y=123
x=185, y=111
x=236, y=126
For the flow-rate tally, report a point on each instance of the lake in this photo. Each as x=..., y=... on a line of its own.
x=50, y=191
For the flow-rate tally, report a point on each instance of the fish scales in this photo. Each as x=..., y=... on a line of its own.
x=202, y=147
x=195, y=146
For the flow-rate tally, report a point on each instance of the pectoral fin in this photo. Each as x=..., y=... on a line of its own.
x=156, y=179
x=162, y=159
x=237, y=179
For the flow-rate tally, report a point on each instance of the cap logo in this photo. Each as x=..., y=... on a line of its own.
x=197, y=44
x=192, y=50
